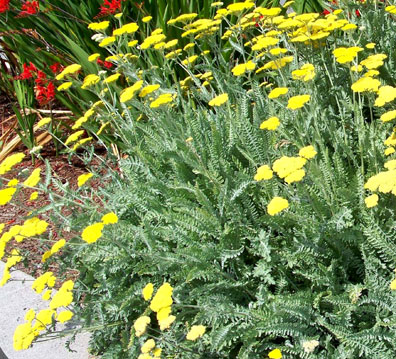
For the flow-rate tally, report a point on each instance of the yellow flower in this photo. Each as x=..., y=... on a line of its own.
x=161, y=100
x=33, y=196
x=6, y=195
x=219, y=100
x=388, y=116
x=346, y=54
x=298, y=101
x=46, y=279
x=240, y=69
x=10, y=162
x=295, y=176
x=33, y=179
x=148, y=89
x=371, y=201
x=183, y=18
x=99, y=25
x=64, y=296
x=388, y=151
x=385, y=94
x=370, y=45
x=133, y=43
x=307, y=152
x=74, y=137
x=285, y=165
x=374, y=61
x=110, y=218
x=90, y=80
x=148, y=291
x=107, y=41
x=393, y=285
x=190, y=60
x=163, y=298
x=71, y=69
x=277, y=204
x=278, y=91
x=93, y=57
x=188, y=46
x=64, y=86
x=263, y=173
x=271, y=124
x=348, y=27
x=64, y=316
x=148, y=346
x=111, y=78
x=44, y=121
x=147, y=18
x=275, y=354
x=240, y=6
x=140, y=325
x=92, y=233
x=83, y=178
x=152, y=40
x=366, y=84
x=305, y=73
x=129, y=92
x=126, y=29
x=170, y=44
x=166, y=323
x=276, y=64
x=264, y=42
x=196, y=331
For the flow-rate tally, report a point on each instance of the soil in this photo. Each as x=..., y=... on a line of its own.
x=17, y=211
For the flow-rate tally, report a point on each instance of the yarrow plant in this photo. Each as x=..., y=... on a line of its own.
x=251, y=214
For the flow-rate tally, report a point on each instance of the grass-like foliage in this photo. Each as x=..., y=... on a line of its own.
x=251, y=212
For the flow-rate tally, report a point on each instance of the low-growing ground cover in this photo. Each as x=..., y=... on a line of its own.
x=251, y=214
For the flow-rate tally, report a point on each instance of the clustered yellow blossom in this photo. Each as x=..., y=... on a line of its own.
x=270, y=124
x=196, y=332
x=10, y=162
x=275, y=354
x=83, y=178
x=93, y=232
x=218, y=100
x=56, y=247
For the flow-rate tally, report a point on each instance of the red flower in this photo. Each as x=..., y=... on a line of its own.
x=4, y=5
x=357, y=12
x=106, y=64
x=56, y=67
x=325, y=12
x=45, y=94
x=109, y=7
x=30, y=8
x=41, y=79
x=27, y=72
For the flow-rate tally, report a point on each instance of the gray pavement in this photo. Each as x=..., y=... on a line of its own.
x=16, y=297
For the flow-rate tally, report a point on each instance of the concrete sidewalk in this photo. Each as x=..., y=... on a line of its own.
x=16, y=297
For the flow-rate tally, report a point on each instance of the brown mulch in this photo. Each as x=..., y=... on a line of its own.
x=17, y=211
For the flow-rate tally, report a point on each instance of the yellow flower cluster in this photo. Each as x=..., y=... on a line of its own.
x=219, y=100
x=90, y=80
x=13, y=259
x=93, y=232
x=33, y=179
x=305, y=73
x=126, y=29
x=10, y=162
x=64, y=296
x=271, y=124
x=69, y=70
x=276, y=205
x=56, y=247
